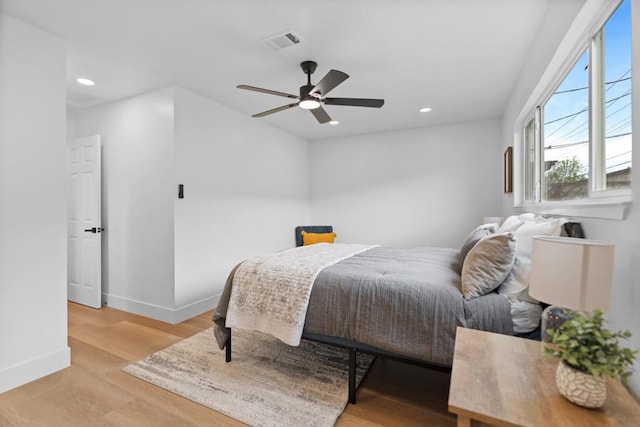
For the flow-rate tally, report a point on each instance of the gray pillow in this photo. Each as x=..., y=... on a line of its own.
x=474, y=237
x=488, y=264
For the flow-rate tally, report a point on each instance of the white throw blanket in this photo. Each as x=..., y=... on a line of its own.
x=270, y=293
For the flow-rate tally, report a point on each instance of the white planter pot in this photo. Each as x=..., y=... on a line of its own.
x=580, y=388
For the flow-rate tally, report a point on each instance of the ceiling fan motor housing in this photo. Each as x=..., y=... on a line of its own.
x=304, y=92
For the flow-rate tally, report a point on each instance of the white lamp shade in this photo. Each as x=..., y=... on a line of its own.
x=572, y=273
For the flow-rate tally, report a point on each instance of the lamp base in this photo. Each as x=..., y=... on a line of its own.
x=552, y=318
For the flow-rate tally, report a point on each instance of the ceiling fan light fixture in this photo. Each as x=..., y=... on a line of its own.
x=334, y=122
x=309, y=104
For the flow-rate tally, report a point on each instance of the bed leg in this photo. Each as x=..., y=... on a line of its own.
x=227, y=347
x=352, y=375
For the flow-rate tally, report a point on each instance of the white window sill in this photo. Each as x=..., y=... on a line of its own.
x=588, y=209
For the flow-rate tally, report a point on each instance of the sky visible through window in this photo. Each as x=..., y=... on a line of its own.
x=566, y=114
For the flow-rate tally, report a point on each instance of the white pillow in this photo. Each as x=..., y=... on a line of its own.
x=526, y=316
x=530, y=217
x=514, y=221
x=510, y=224
x=488, y=264
x=516, y=285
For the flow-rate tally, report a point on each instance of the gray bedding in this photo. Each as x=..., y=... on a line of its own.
x=405, y=301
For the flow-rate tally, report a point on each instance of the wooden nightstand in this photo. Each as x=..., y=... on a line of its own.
x=506, y=381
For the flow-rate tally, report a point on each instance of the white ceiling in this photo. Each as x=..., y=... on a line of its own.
x=460, y=57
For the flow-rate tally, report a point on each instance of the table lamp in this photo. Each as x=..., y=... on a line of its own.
x=570, y=273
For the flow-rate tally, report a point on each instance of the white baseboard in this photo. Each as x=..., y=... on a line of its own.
x=33, y=369
x=164, y=314
x=195, y=308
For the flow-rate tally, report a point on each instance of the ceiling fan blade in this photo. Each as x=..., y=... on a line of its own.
x=275, y=110
x=321, y=115
x=355, y=102
x=268, y=91
x=332, y=79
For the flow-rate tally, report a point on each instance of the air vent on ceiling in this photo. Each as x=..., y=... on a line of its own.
x=282, y=40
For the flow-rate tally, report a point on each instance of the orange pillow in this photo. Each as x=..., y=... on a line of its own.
x=311, y=238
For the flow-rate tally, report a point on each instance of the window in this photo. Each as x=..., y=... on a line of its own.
x=565, y=132
x=616, y=40
x=577, y=143
x=530, y=159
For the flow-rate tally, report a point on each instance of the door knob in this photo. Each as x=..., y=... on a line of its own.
x=94, y=230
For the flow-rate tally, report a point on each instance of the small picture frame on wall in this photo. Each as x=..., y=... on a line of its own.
x=508, y=170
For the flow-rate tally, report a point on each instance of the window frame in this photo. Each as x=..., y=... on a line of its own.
x=601, y=203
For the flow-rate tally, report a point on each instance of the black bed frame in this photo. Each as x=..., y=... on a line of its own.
x=354, y=348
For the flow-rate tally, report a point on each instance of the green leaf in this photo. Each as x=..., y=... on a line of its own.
x=584, y=343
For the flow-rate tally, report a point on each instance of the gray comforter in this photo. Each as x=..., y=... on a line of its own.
x=405, y=301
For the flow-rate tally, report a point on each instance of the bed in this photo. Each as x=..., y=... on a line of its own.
x=400, y=303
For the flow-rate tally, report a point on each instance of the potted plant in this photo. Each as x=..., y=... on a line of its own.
x=588, y=353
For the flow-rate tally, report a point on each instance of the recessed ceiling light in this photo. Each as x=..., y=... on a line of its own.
x=85, y=82
x=425, y=110
x=334, y=122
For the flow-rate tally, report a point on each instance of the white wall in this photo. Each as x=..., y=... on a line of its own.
x=246, y=188
x=33, y=269
x=138, y=181
x=419, y=187
x=625, y=234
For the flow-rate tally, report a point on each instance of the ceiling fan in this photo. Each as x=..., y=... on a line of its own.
x=313, y=96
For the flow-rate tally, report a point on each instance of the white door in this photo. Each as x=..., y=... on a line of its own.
x=84, y=225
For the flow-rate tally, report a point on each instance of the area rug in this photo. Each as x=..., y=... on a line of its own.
x=268, y=383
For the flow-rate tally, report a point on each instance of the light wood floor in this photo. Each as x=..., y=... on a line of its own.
x=94, y=390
